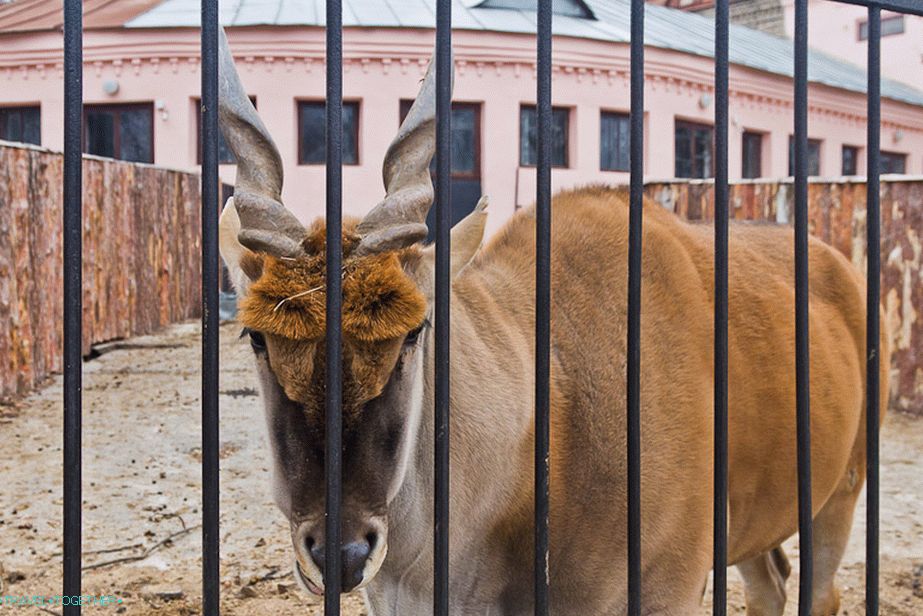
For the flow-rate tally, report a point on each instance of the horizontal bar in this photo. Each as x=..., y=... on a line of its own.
x=911, y=7
x=873, y=291
x=442, y=300
x=73, y=303
x=542, y=306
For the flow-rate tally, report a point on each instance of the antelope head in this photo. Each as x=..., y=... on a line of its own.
x=278, y=266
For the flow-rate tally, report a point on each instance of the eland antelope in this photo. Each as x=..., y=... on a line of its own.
x=278, y=266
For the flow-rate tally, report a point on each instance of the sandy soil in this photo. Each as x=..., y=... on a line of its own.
x=142, y=492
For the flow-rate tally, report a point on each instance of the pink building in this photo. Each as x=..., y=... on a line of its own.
x=835, y=28
x=842, y=30
x=141, y=82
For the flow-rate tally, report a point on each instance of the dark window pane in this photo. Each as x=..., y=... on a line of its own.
x=889, y=26
x=100, y=133
x=528, y=136
x=683, y=147
x=14, y=126
x=225, y=155
x=752, y=155
x=22, y=124
x=693, y=147
x=613, y=142
x=350, y=133
x=135, y=129
x=125, y=132
x=464, y=141
x=892, y=162
x=702, y=153
x=32, y=125
x=813, y=156
x=850, y=160
x=313, y=130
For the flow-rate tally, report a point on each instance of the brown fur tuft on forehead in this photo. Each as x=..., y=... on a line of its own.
x=380, y=301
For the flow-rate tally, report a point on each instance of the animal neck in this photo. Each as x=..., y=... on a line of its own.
x=490, y=412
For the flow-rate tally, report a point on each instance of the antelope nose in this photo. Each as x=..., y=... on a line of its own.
x=353, y=557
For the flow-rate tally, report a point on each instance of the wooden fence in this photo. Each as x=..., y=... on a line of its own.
x=141, y=257
x=837, y=213
x=141, y=253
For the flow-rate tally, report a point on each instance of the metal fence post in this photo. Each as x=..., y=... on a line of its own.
x=633, y=372
x=719, y=593
x=73, y=297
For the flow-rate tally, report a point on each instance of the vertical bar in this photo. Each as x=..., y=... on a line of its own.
x=73, y=299
x=719, y=546
x=442, y=310
x=333, y=411
x=873, y=290
x=802, y=374
x=633, y=372
x=211, y=587
x=542, y=306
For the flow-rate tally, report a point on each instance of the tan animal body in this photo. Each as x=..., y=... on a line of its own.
x=388, y=392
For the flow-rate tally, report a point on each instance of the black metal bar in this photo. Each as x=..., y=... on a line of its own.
x=633, y=372
x=911, y=7
x=334, y=425
x=73, y=297
x=211, y=582
x=442, y=305
x=873, y=290
x=543, y=307
x=802, y=350
x=719, y=594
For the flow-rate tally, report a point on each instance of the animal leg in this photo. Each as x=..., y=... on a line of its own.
x=832, y=526
x=764, y=582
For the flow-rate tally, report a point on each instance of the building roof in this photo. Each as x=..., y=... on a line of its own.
x=664, y=27
x=35, y=15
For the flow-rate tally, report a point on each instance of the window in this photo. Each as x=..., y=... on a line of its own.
x=813, y=156
x=466, y=139
x=752, y=155
x=694, y=148
x=571, y=8
x=889, y=26
x=225, y=155
x=892, y=162
x=312, y=131
x=22, y=124
x=528, y=136
x=850, y=160
x=125, y=132
x=614, y=139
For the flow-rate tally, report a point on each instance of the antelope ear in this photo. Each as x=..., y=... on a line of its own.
x=467, y=236
x=244, y=265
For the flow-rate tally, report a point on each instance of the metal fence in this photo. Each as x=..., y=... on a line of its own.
x=73, y=64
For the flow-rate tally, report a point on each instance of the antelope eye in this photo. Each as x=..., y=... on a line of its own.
x=257, y=341
x=412, y=337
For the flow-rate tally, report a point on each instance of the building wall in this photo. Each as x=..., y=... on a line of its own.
x=833, y=28
x=140, y=270
x=281, y=65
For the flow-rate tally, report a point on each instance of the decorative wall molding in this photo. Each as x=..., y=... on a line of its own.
x=750, y=89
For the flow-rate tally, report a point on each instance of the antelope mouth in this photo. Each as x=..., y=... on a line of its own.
x=306, y=582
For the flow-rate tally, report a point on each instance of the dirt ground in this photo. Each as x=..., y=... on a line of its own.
x=142, y=482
